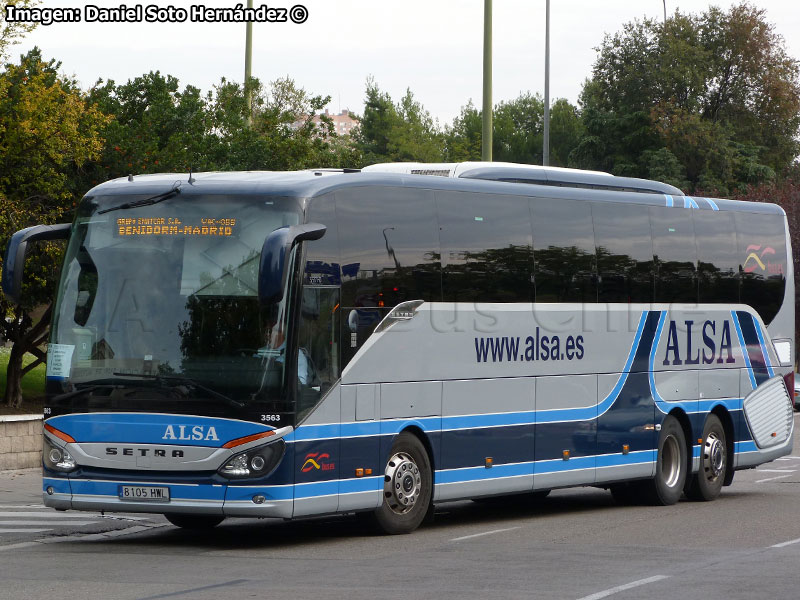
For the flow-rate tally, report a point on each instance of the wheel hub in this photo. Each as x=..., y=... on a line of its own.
x=714, y=455
x=402, y=483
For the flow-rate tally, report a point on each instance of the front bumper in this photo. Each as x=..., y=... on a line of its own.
x=207, y=497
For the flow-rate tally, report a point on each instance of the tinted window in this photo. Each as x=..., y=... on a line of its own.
x=676, y=255
x=486, y=247
x=389, y=244
x=624, y=252
x=762, y=256
x=564, y=251
x=718, y=260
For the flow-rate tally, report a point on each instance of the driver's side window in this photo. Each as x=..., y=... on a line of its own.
x=318, y=346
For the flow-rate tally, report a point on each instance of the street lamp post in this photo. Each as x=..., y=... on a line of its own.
x=248, y=66
x=546, y=140
x=486, y=139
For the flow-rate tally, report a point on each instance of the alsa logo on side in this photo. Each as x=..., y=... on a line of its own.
x=316, y=462
x=190, y=432
x=716, y=342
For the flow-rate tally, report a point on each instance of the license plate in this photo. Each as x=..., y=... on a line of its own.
x=144, y=493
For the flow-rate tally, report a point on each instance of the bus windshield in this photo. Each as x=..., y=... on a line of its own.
x=158, y=309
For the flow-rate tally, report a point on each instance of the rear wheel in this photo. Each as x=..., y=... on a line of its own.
x=194, y=521
x=407, y=487
x=707, y=483
x=671, y=466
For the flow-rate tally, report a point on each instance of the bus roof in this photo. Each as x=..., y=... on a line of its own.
x=312, y=183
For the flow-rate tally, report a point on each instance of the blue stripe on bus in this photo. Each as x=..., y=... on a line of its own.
x=688, y=202
x=743, y=347
x=745, y=446
x=669, y=200
x=60, y=486
x=609, y=400
x=542, y=467
x=652, y=361
x=764, y=351
x=711, y=203
x=481, y=472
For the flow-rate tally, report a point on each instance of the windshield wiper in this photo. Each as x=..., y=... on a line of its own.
x=146, y=202
x=76, y=392
x=186, y=381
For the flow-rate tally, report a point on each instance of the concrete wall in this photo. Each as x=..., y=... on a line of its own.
x=20, y=441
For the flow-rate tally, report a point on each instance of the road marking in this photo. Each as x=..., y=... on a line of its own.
x=777, y=470
x=622, y=588
x=474, y=535
x=784, y=544
x=773, y=478
x=45, y=523
x=23, y=530
x=4, y=506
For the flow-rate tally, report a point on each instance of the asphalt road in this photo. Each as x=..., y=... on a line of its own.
x=576, y=544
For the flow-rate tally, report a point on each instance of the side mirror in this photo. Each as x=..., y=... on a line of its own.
x=14, y=260
x=273, y=269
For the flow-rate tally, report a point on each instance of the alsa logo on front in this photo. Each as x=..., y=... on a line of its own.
x=316, y=462
x=190, y=432
x=758, y=259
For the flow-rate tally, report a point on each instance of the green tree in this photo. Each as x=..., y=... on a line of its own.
x=518, y=131
x=157, y=127
x=49, y=131
x=716, y=90
x=394, y=132
x=463, y=137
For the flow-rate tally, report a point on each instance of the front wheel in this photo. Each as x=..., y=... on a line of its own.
x=707, y=484
x=194, y=521
x=671, y=466
x=407, y=487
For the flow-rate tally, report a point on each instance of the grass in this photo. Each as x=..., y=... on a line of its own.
x=32, y=384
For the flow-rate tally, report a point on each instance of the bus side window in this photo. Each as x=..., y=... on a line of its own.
x=486, y=247
x=718, y=265
x=762, y=259
x=389, y=254
x=624, y=252
x=563, y=250
x=675, y=255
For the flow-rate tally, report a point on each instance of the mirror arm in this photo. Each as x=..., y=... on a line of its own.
x=275, y=256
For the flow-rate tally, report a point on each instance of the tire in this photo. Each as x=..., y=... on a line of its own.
x=408, y=485
x=671, y=466
x=707, y=483
x=194, y=521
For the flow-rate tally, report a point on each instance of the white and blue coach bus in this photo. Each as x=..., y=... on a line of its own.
x=307, y=343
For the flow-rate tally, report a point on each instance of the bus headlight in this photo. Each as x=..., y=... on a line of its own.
x=255, y=462
x=57, y=459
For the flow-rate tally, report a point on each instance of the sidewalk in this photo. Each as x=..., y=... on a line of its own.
x=23, y=486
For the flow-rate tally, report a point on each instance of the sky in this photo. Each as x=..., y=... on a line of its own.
x=433, y=47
